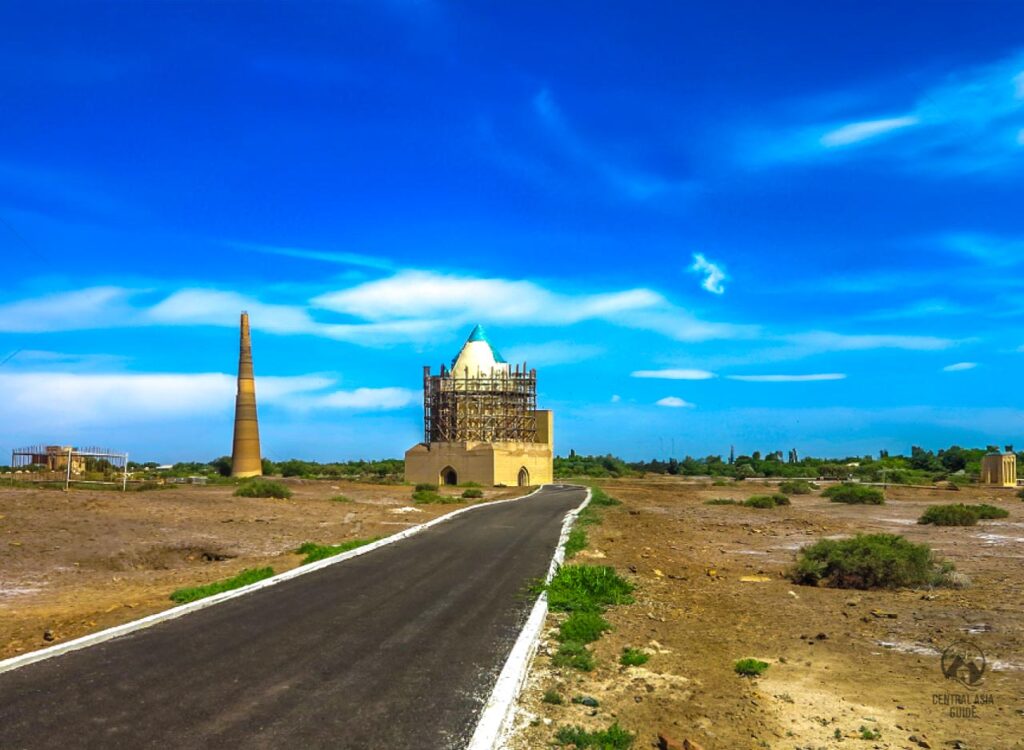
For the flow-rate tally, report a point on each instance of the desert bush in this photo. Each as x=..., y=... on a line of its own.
x=796, y=487
x=987, y=512
x=854, y=494
x=721, y=501
x=766, y=501
x=587, y=588
x=553, y=697
x=574, y=654
x=314, y=552
x=583, y=627
x=950, y=515
x=612, y=738
x=425, y=487
x=341, y=499
x=263, y=488
x=250, y=575
x=473, y=494
x=750, y=667
x=868, y=561
x=633, y=657
x=427, y=497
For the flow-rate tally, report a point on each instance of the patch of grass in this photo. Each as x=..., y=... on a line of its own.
x=866, y=733
x=151, y=486
x=470, y=484
x=587, y=588
x=950, y=515
x=553, y=697
x=314, y=551
x=577, y=541
x=720, y=483
x=425, y=487
x=263, y=488
x=796, y=487
x=868, y=561
x=1020, y=494
x=633, y=657
x=341, y=499
x=250, y=575
x=601, y=499
x=854, y=494
x=612, y=738
x=428, y=497
x=583, y=627
x=574, y=654
x=473, y=494
x=721, y=501
x=750, y=667
x=766, y=501
x=987, y=512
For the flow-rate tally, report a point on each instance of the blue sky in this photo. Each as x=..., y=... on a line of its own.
x=768, y=225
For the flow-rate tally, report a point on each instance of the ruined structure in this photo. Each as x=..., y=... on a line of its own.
x=481, y=423
x=999, y=469
x=246, y=460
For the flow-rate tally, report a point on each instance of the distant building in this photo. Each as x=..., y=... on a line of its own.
x=999, y=469
x=481, y=423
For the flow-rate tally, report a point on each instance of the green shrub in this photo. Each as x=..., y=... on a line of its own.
x=854, y=494
x=601, y=499
x=427, y=497
x=988, y=512
x=612, y=738
x=796, y=487
x=341, y=499
x=868, y=561
x=425, y=487
x=721, y=501
x=766, y=501
x=250, y=575
x=473, y=494
x=150, y=486
x=750, y=667
x=575, y=655
x=314, y=552
x=587, y=588
x=577, y=541
x=583, y=627
x=950, y=515
x=471, y=484
x=263, y=488
x=553, y=697
x=1020, y=494
x=870, y=734
x=633, y=657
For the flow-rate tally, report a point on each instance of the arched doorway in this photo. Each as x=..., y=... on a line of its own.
x=524, y=477
x=449, y=476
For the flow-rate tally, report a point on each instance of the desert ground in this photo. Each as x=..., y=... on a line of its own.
x=76, y=562
x=710, y=589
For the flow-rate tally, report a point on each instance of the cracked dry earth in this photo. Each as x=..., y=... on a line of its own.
x=77, y=562
x=710, y=590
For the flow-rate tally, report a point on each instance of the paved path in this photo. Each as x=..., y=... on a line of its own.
x=393, y=650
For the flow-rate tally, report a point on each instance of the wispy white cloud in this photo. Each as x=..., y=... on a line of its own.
x=968, y=122
x=68, y=399
x=960, y=367
x=631, y=183
x=857, y=132
x=674, y=374
x=221, y=308
x=95, y=307
x=828, y=341
x=616, y=398
x=326, y=256
x=713, y=273
x=992, y=251
x=552, y=353
x=674, y=402
x=813, y=378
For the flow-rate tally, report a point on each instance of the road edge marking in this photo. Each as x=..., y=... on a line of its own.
x=496, y=719
x=92, y=639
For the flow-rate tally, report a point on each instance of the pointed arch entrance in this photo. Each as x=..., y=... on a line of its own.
x=524, y=477
x=449, y=476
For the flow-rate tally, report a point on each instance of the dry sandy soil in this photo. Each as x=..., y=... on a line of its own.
x=76, y=562
x=710, y=589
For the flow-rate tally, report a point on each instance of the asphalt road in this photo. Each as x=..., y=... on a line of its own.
x=398, y=648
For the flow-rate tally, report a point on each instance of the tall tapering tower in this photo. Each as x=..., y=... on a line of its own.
x=245, y=453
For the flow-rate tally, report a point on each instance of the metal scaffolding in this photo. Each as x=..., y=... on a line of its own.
x=491, y=408
x=65, y=462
